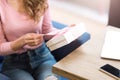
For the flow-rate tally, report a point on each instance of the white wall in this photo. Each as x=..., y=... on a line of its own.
x=94, y=9
x=99, y=5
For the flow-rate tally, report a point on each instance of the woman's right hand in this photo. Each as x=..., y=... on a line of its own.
x=31, y=39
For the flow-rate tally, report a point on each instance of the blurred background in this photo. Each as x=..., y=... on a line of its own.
x=96, y=10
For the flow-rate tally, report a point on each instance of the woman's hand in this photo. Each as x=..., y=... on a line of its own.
x=31, y=39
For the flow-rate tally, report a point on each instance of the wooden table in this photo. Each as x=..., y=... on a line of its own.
x=84, y=62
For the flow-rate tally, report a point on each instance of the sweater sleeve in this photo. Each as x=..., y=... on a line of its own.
x=5, y=47
x=47, y=27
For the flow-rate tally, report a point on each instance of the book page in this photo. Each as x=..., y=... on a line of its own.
x=111, y=47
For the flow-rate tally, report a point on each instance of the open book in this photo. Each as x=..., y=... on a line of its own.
x=66, y=37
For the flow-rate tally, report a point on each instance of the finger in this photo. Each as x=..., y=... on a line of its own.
x=33, y=36
x=29, y=41
x=38, y=41
x=39, y=36
x=28, y=37
x=31, y=44
x=34, y=42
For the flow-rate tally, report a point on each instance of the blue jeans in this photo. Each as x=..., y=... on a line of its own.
x=3, y=77
x=31, y=65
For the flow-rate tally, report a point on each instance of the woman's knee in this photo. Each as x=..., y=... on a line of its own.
x=52, y=77
x=18, y=74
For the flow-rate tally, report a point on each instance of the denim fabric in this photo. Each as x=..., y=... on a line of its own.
x=31, y=65
x=3, y=77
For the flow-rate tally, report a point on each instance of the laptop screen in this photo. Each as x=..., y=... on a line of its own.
x=111, y=46
x=114, y=13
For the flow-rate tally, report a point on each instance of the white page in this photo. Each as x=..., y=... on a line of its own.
x=111, y=47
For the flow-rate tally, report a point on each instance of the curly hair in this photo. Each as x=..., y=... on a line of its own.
x=35, y=8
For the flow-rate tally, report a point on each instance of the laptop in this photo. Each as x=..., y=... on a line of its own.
x=111, y=46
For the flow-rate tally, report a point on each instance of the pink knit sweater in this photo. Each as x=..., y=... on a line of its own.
x=14, y=24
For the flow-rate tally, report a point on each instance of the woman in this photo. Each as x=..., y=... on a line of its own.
x=24, y=26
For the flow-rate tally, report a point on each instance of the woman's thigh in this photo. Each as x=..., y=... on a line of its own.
x=42, y=63
x=18, y=74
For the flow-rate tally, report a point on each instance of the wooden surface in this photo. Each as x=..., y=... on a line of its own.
x=84, y=62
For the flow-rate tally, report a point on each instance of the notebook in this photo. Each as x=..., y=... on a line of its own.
x=111, y=46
